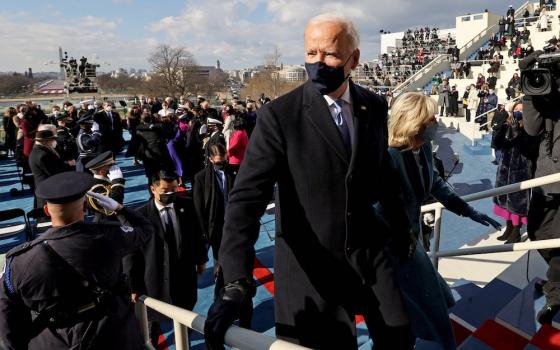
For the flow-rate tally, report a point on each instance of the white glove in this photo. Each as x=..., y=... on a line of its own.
x=105, y=202
x=95, y=127
x=114, y=173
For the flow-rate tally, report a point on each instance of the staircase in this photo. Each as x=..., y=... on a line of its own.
x=501, y=315
x=441, y=63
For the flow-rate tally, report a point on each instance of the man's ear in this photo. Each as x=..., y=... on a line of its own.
x=356, y=59
x=46, y=210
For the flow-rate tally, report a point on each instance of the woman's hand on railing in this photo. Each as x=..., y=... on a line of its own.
x=482, y=218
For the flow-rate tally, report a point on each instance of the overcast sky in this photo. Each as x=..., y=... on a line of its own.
x=237, y=32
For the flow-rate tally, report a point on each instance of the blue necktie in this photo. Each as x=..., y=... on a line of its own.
x=342, y=125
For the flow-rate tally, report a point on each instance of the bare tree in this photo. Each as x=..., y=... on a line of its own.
x=174, y=67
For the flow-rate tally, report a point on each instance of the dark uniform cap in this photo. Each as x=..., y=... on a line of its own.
x=86, y=118
x=105, y=158
x=64, y=187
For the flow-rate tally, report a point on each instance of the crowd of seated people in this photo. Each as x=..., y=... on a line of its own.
x=416, y=49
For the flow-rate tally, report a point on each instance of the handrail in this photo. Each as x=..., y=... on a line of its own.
x=501, y=248
x=427, y=67
x=499, y=191
x=236, y=337
x=516, y=187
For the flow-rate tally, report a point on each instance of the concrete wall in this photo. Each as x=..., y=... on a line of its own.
x=468, y=26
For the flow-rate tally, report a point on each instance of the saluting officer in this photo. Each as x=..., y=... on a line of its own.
x=65, y=290
x=108, y=180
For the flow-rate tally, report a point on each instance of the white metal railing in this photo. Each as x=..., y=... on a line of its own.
x=235, y=337
x=516, y=187
x=419, y=73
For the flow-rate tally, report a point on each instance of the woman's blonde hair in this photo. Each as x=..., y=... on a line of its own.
x=409, y=112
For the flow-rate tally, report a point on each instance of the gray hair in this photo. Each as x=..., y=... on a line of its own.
x=349, y=27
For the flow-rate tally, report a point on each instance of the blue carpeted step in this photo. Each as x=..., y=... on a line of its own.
x=464, y=289
x=473, y=311
x=476, y=149
x=472, y=343
x=519, y=315
x=531, y=347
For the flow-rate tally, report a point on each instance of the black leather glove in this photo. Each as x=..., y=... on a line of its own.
x=482, y=218
x=403, y=245
x=225, y=310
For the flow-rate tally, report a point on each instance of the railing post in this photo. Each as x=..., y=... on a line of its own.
x=142, y=316
x=437, y=237
x=181, y=336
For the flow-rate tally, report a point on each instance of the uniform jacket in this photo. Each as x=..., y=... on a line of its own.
x=115, y=190
x=209, y=204
x=33, y=281
x=149, y=269
x=328, y=237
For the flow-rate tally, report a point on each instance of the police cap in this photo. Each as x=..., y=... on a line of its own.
x=105, y=158
x=64, y=187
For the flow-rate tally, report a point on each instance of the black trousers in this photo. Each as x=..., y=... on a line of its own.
x=468, y=114
x=544, y=223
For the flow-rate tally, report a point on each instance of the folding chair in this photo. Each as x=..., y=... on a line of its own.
x=38, y=222
x=12, y=233
x=25, y=178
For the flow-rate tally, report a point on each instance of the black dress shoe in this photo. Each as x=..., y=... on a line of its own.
x=547, y=313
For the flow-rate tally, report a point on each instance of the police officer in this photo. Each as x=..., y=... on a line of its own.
x=64, y=290
x=87, y=141
x=108, y=180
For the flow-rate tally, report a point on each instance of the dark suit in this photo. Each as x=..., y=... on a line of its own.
x=111, y=132
x=149, y=269
x=329, y=260
x=44, y=163
x=209, y=204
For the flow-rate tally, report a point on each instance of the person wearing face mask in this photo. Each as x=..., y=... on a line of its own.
x=110, y=128
x=324, y=146
x=214, y=134
x=44, y=160
x=500, y=117
x=108, y=180
x=211, y=189
x=518, y=150
x=166, y=267
x=412, y=128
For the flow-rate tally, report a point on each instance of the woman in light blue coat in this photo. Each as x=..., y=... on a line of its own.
x=412, y=126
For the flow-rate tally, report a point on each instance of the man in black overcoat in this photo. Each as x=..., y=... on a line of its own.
x=325, y=146
x=110, y=127
x=166, y=266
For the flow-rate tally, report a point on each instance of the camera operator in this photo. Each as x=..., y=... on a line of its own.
x=540, y=118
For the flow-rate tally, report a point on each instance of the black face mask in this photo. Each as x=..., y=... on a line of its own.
x=167, y=197
x=220, y=166
x=326, y=79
